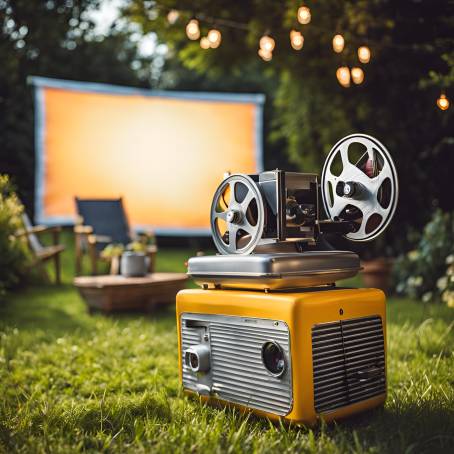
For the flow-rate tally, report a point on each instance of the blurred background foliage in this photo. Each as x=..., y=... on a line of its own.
x=306, y=112
x=427, y=272
x=14, y=254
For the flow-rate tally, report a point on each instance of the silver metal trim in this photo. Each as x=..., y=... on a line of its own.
x=237, y=373
x=277, y=275
x=273, y=270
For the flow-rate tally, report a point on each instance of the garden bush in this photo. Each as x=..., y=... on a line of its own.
x=427, y=272
x=14, y=255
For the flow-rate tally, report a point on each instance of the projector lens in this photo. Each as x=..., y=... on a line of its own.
x=193, y=361
x=273, y=358
x=197, y=358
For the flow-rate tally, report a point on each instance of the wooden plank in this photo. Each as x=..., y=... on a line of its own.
x=111, y=293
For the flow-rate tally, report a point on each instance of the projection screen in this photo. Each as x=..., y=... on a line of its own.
x=163, y=152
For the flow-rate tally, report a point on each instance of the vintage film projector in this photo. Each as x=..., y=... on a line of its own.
x=269, y=331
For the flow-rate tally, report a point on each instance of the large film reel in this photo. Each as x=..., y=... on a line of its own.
x=359, y=184
x=237, y=215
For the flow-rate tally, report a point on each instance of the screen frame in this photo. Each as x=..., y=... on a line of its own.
x=40, y=84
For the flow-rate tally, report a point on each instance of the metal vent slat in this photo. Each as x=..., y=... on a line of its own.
x=250, y=333
x=343, y=354
x=244, y=385
x=254, y=401
x=253, y=338
x=239, y=355
x=233, y=365
x=242, y=344
x=249, y=329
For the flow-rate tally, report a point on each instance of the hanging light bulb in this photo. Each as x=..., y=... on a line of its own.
x=296, y=40
x=343, y=76
x=443, y=102
x=357, y=75
x=364, y=54
x=338, y=43
x=205, y=43
x=265, y=54
x=267, y=43
x=193, y=30
x=214, y=37
x=172, y=16
x=304, y=15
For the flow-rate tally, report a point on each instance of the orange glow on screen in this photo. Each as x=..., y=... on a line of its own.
x=164, y=156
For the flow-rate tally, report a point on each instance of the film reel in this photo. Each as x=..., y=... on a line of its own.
x=359, y=184
x=237, y=215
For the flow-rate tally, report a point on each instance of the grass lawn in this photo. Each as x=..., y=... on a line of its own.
x=70, y=382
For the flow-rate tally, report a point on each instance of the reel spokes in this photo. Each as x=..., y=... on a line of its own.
x=362, y=188
x=237, y=215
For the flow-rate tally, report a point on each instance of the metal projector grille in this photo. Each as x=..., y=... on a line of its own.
x=348, y=362
x=237, y=372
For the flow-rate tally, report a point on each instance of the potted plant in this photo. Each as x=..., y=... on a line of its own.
x=377, y=264
x=113, y=253
x=426, y=273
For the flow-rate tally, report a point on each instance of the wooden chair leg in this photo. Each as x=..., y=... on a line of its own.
x=78, y=254
x=152, y=262
x=57, y=269
x=42, y=270
x=56, y=240
x=93, y=258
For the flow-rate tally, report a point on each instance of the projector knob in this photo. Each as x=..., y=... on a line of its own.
x=233, y=216
x=350, y=188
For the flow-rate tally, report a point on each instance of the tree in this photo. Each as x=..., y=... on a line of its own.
x=54, y=38
x=309, y=111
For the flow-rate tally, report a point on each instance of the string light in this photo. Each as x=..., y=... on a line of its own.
x=266, y=55
x=173, y=16
x=364, y=54
x=296, y=40
x=357, y=75
x=205, y=43
x=338, y=43
x=343, y=76
x=304, y=15
x=214, y=37
x=193, y=30
x=267, y=43
x=443, y=102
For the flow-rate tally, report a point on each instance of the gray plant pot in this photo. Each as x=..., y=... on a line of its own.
x=133, y=264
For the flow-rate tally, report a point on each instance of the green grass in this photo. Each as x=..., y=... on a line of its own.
x=70, y=381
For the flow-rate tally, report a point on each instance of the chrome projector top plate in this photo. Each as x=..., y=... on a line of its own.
x=273, y=271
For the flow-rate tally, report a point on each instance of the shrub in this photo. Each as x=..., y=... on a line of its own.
x=14, y=255
x=427, y=272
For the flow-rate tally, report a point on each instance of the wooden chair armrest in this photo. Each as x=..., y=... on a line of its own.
x=152, y=250
x=93, y=239
x=37, y=229
x=83, y=229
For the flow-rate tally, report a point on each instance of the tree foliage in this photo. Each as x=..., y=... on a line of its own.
x=307, y=110
x=14, y=254
x=53, y=38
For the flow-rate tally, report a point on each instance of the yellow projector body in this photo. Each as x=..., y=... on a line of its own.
x=301, y=355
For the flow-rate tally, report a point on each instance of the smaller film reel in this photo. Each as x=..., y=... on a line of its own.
x=359, y=184
x=237, y=215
